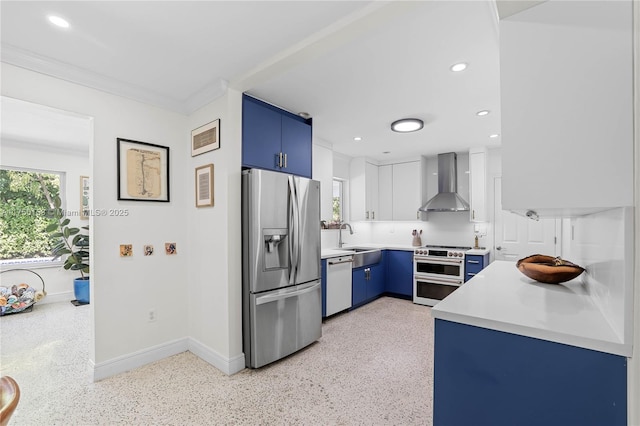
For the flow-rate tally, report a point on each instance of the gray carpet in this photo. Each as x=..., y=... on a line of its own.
x=373, y=365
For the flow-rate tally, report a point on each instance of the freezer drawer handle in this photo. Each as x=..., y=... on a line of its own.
x=274, y=298
x=343, y=261
x=475, y=262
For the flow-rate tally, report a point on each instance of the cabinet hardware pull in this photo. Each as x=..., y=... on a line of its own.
x=285, y=161
x=473, y=214
x=366, y=215
x=473, y=261
x=373, y=215
x=470, y=274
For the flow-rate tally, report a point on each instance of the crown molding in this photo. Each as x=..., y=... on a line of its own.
x=32, y=61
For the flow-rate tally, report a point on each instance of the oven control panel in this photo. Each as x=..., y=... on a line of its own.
x=455, y=253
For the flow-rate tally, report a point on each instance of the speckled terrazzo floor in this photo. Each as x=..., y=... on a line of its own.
x=372, y=366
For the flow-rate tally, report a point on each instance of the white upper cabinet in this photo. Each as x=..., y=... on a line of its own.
x=478, y=185
x=363, y=183
x=408, y=188
x=323, y=172
x=385, y=192
x=567, y=109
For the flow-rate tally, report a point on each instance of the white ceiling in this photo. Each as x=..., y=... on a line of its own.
x=354, y=66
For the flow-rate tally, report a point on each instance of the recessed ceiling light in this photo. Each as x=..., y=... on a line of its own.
x=493, y=136
x=304, y=115
x=458, y=67
x=406, y=125
x=357, y=138
x=58, y=21
x=483, y=112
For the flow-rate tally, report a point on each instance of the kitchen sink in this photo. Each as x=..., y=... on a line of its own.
x=365, y=256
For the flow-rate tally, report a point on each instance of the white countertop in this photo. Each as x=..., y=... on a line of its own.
x=345, y=250
x=480, y=251
x=501, y=298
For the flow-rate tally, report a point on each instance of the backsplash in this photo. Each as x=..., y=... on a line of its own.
x=602, y=243
x=442, y=228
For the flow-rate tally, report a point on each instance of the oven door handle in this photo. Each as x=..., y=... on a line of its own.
x=438, y=280
x=439, y=260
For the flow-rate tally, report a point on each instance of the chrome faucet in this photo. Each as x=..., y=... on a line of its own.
x=340, y=228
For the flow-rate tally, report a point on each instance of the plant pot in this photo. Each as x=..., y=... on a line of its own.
x=81, y=289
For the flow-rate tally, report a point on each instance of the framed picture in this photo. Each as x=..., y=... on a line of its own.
x=204, y=185
x=143, y=171
x=205, y=138
x=84, y=197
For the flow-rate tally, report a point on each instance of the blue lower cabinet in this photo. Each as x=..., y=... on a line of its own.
x=375, y=283
x=488, y=377
x=399, y=277
x=473, y=264
x=323, y=284
x=358, y=287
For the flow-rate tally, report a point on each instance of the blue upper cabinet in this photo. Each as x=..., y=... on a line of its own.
x=275, y=139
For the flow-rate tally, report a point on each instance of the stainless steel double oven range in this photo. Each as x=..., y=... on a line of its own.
x=437, y=272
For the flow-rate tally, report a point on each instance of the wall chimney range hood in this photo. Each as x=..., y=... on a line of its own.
x=447, y=199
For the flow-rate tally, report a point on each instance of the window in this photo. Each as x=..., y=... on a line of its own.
x=24, y=212
x=338, y=200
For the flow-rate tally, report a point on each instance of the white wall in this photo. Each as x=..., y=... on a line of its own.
x=602, y=243
x=214, y=279
x=123, y=290
x=58, y=282
x=323, y=172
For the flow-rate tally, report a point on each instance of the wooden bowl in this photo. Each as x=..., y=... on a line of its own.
x=548, y=269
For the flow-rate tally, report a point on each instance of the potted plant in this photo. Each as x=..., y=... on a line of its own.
x=75, y=244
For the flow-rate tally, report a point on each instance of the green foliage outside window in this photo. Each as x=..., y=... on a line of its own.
x=25, y=207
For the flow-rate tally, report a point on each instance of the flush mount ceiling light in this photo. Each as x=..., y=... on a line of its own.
x=58, y=21
x=357, y=138
x=406, y=125
x=482, y=113
x=458, y=67
x=493, y=136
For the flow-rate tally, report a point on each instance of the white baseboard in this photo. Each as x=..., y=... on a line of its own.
x=228, y=366
x=137, y=359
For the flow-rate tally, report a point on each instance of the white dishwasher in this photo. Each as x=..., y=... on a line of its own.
x=338, y=284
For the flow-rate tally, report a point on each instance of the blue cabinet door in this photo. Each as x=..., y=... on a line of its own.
x=488, y=377
x=399, y=280
x=261, y=135
x=376, y=281
x=473, y=264
x=296, y=144
x=358, y=287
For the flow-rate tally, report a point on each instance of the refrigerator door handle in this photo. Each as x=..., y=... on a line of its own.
x=297, y=291
x=293, y=231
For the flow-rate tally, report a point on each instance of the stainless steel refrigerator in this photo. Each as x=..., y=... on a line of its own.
x=282, y=299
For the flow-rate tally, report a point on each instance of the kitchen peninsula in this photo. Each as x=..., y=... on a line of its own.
x=509, y=350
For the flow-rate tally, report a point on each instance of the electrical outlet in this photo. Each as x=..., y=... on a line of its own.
x=152, y=315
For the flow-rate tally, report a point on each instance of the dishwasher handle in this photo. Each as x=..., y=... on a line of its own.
x=342, y=261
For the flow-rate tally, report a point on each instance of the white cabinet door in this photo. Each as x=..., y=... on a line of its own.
x=407, y=196
x=385, y=192
x=566, y=74
x=371, y=177
x=363, y=184
x=323, y=172
x=478, y=185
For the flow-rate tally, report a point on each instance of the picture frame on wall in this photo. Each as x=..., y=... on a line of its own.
x=205, y=138
x=84, y=197
x=204, y=186
x=143, y=171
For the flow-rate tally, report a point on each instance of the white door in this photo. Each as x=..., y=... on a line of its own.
x=516, y=236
